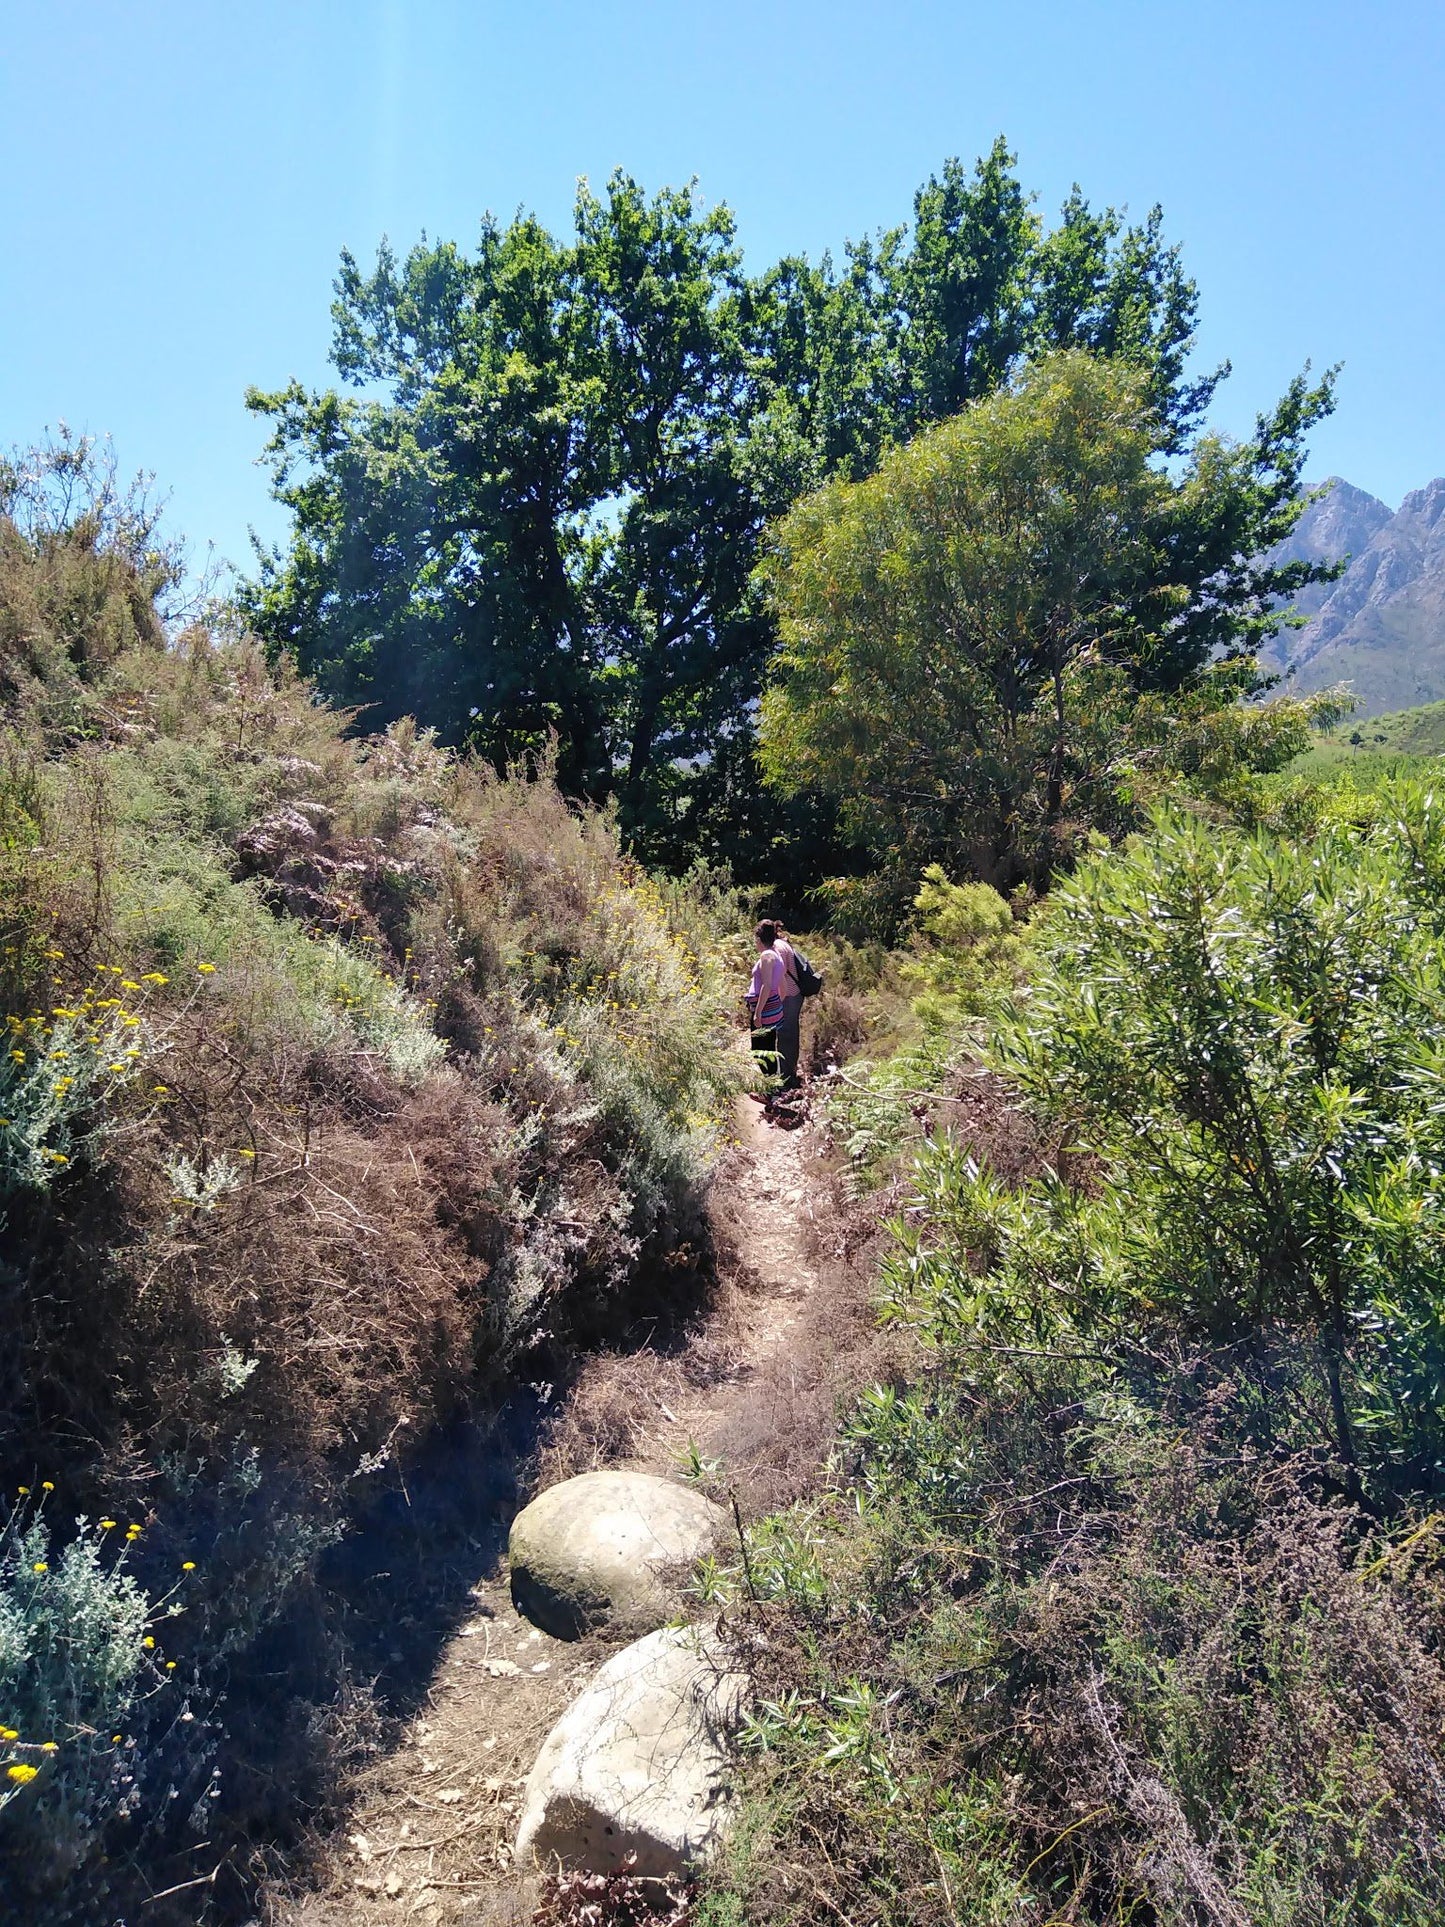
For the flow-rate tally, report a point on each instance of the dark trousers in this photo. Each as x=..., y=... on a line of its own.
x=789, y=1040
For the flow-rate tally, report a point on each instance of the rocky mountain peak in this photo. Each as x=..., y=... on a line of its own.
x=1380, y=627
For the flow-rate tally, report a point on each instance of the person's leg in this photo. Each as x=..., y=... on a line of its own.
x=789, y=1039
x=766, y=1048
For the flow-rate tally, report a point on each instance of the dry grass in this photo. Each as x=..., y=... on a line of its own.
x=1195, y=1703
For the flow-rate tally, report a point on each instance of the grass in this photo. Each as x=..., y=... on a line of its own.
x=1371, y=751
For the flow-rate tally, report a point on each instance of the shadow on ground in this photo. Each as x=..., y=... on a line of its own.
x=356, y=1657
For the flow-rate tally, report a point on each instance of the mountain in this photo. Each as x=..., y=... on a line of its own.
x=1381, y=627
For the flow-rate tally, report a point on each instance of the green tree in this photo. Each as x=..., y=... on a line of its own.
x=976, y=637
x=539, y=519
x=540, y=512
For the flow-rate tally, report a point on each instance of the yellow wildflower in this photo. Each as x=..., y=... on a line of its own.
x=49, y=1746
x=148, y=1642
x=129, y=983
x=188, y=1565
x=20, y=1773
x=107, y=1525
x=205, y=969
x=40, y=1566
x=47, y=1485
x=154, y=977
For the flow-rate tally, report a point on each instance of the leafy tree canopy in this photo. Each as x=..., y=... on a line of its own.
x=987, y=640
x=540, y=509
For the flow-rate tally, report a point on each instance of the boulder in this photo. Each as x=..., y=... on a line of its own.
x=605, y=1549
x=635, y=1773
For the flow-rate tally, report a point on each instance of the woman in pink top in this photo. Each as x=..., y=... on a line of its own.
x=775, y=1000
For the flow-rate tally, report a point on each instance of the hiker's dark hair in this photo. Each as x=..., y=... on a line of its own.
x=767, y=931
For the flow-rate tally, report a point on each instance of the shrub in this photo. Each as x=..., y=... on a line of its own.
x=82, y=570
x=1129, y=1607
x=1247, y=1037
x=970, y=949
x=84, y=1686
x=1061, y=1655
x=54, y=1079
x=339, y=1076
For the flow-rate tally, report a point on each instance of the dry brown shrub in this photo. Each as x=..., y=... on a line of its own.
x=1177, y=1687
x=604, y=1417
x=984, y=1112
x=839, y=1025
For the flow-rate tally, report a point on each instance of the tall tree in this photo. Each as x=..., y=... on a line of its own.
x=973, y=637
x=538, y=513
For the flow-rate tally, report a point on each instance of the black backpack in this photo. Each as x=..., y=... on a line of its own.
x=809, y=981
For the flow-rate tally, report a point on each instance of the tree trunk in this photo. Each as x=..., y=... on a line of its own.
x=639, y=761
x=1054, y=802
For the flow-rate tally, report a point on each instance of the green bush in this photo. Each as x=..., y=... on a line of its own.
x=1128, y=1608
x=970, y=949
x=54, y=1079
x=79, y=1667
x=1246, y=1039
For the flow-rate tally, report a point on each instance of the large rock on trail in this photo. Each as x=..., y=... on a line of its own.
x=605, y=1550
x=635, y=1773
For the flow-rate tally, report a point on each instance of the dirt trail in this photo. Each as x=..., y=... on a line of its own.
x=429, y=1838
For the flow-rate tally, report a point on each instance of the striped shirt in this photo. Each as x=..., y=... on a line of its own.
x=770, y=980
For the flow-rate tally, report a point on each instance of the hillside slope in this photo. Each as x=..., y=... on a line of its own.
x=347, y=1090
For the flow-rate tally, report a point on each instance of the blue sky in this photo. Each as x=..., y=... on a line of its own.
x=182, y=177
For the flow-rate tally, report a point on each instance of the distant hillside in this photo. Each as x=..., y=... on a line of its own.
x=1404, y=732
x=1370, y=750
x=1380, y=627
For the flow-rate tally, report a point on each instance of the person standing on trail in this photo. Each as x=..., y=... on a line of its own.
x=775, y=999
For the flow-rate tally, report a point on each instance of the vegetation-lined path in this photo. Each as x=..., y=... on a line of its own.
x=429, y=1839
